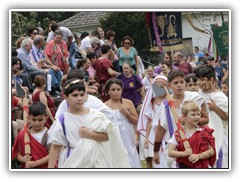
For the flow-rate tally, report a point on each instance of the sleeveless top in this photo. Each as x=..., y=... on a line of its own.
x=50, y=104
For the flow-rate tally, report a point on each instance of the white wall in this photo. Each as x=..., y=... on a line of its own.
x=203, y=22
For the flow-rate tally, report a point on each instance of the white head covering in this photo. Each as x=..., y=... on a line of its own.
x=147, y=107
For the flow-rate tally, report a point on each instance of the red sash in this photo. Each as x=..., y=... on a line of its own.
x=38, y=151
x=199, y=142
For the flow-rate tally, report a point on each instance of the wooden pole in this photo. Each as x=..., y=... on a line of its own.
x=177, y=120
x=25, y=118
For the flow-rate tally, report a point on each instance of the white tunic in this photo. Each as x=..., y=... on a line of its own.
x=84, y=152
x=220, y=127
x=128, y=137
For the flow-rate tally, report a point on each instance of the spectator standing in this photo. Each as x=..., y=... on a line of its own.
x=181, y=64
x=110, y=35
x=127, y=53
x=148, y=79
x=168, y=60
x=32, y=32
x=198, y=54
x=132, y=86
x=104, y=70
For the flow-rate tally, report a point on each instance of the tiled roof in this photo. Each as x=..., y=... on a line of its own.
x=82, y=19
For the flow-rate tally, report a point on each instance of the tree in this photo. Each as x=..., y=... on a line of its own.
x=21, y=21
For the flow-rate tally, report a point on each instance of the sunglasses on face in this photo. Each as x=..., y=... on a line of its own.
x=35, y=33
x=127, y=43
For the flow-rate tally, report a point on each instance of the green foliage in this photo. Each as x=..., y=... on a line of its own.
x=21, y=21
x=128, y=23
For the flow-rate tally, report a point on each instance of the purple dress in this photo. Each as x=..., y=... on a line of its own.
x=130, y=88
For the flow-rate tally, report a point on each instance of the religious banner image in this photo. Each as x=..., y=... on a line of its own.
x=220, y=36
x=165, y=30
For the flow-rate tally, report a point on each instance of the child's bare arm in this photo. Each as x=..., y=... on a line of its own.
x=53, y=155
x=160, y=131
x=204, y=155
x=218, y=111
x=39, y=162
x=149, y=126
x=204, y=115
x=208, y=153
x=172, y=151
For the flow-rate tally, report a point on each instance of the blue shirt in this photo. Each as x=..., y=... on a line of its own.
x=23, y=55
x=36, y=53
x=127, y=57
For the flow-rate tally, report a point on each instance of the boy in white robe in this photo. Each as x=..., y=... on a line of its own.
x=166, y=122
x=76, y=149
x=218, y=111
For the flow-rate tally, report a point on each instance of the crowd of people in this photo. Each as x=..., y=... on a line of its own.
x=90, y=104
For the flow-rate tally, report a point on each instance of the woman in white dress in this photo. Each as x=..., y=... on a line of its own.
x=84, y=138
x=125, y=117
x=148, y=79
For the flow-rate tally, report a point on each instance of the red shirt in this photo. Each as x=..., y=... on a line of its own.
x=101, y=66
x=199, y=142
x=186, y=68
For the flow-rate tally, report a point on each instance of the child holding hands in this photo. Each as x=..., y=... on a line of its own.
x=39, y=143
x=201, y=153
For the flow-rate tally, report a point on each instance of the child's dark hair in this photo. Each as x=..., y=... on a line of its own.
x=37, y=108
x=113, y=81
x=75, y=73
x=225, y=82
x=105, y=48
x=190, y=76
x=175, y=73
x=80, y=63
x=73, y=84
x=205, y=71
x=91, y=55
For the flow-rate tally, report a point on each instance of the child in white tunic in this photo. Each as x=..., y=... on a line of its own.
x=146, y=126
x=218, y=111
x=82, y=149
x=167, y=124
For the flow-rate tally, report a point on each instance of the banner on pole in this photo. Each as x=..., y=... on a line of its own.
x=169, y=30
x=220, y=36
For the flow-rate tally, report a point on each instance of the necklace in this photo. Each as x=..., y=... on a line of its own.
x=188, y=136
